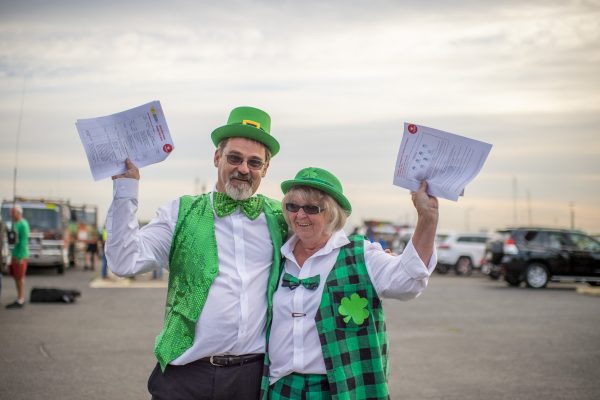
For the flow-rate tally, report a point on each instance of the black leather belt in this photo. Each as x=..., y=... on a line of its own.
x=232, y=361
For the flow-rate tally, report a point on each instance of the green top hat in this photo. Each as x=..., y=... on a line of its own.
x=248, y=122
x=321, y=179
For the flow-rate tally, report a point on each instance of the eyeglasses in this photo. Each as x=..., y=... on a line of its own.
x=253, y=163
x=308, y=208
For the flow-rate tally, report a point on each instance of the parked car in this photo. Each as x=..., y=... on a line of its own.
x=537, y=256
x=461, y=251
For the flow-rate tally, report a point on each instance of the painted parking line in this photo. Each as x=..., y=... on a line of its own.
x=592, y=291
x=127, y=283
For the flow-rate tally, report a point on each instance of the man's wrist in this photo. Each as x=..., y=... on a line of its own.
x=125, y=188
x=430, y=217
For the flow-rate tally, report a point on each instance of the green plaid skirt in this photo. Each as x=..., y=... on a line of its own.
x=300, y=386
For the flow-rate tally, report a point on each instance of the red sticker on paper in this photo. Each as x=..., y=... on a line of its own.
x=167, y=148
x=412, y=128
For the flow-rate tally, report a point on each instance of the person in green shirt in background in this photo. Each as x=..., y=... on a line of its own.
x=72, y=229
x=20, y=256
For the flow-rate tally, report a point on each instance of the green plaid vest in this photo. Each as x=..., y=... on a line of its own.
x=356, y=355
x=193, y=266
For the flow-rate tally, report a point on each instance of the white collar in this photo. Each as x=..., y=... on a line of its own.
x=336, y=240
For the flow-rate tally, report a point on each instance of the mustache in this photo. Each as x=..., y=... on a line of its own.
x=241, y=177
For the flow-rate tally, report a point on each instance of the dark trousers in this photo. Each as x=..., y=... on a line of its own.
x=201, y=380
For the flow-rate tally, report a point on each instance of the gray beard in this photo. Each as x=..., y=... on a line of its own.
x=242, y=192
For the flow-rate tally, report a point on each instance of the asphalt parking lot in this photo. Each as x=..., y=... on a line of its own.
x=465, y=338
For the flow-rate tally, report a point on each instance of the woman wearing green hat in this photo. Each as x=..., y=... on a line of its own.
x=328, y=337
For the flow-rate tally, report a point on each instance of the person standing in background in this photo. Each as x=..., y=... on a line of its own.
x=72, y=231
x=20, y=256
x=104, y=270
x=91, y=251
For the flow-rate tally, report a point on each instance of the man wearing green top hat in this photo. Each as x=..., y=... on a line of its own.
x=222, y=250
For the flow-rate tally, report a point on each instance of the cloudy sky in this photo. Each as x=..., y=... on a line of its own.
x=338, y=78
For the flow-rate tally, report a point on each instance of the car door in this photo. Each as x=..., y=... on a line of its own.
x=556, y=252
x=472, y=246
x=585, y=255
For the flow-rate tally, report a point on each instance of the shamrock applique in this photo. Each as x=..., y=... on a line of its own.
x=354, y=308
x=309, y=173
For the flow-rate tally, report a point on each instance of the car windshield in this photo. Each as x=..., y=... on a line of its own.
x=84, y=216
x=42, y=219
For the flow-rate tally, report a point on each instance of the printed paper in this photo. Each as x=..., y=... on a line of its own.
x=140, y=134
x=448, y=162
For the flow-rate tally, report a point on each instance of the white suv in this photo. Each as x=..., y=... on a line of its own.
x=461, y=251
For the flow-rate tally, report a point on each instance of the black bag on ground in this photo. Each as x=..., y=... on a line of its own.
x=53, y=295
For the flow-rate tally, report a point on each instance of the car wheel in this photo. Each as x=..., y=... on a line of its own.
x=495, y=274
x=464, y=266
x=60, y=268
x=512, y=280
x=536, y=276
x=441, y=269
x=594, y=283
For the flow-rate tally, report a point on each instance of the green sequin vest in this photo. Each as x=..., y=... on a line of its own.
x=193, y=266
x=356, y=355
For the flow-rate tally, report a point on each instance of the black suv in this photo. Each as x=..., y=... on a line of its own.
x=539, y=255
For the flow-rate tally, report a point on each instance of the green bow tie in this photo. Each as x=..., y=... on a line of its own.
x=225, y=205
x=292, y=282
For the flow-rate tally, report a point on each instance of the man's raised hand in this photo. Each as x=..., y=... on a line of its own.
x=132, y=171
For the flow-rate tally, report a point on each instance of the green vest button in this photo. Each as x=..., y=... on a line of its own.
x=213, y=270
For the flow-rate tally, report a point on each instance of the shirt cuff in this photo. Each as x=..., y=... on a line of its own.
x=414, y=266
x=125, y=188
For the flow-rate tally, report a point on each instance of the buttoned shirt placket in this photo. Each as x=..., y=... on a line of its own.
x=240, y=262
x=298, y=329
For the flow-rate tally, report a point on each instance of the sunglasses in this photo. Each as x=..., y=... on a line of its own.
x=253, y=163
x=308, y=208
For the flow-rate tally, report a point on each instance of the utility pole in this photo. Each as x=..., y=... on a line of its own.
x=11, y=234
x=572, y=210
x=514, y=188
x=468, y=219
x=17, y=144
x=529, y=217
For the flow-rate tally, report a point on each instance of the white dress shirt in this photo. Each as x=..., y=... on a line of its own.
x=234, y=315
x=294, y=344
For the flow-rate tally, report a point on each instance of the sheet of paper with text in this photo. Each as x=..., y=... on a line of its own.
x=140, y=134
x=448, y=162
